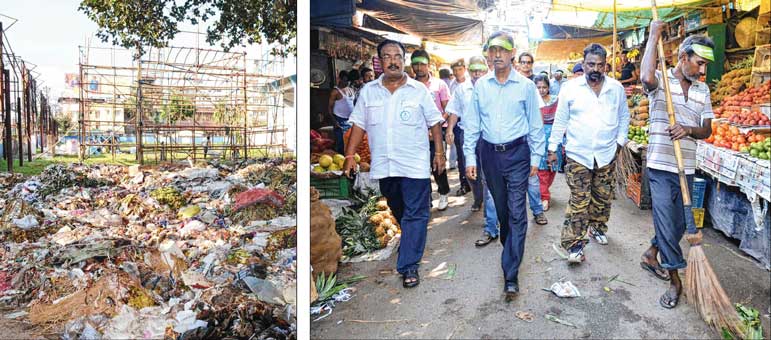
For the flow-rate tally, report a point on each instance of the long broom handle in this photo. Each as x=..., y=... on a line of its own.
x=671, y=111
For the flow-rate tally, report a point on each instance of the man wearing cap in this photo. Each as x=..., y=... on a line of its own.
x=504, y=112
x=578, y=70
x=592, y=110
x=693, y=115
x=395, y=111
x=460, y=101
x=556, y=82
x=441, y=96
x=454, y=135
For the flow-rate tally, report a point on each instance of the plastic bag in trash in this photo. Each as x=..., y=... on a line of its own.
x=565, y=289
x=195, y=173
x=258, y=196
x=26, y=223
x=264, y=289
x=186, y=321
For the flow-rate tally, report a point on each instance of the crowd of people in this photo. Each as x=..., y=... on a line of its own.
x=514, y=130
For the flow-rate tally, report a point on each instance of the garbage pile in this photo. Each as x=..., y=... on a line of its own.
x=166, y=252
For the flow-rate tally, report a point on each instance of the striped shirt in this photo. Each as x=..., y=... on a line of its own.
x=661, y=154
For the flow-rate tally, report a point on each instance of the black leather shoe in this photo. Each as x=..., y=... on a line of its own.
x=485, y=240
x=511, y=288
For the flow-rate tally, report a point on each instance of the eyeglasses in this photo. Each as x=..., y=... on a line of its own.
x=526, y=62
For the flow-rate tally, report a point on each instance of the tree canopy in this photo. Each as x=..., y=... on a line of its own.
x=135, y=24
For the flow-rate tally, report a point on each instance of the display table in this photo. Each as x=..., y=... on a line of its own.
x=737, y=197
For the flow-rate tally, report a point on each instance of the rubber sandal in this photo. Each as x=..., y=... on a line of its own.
x=651, y=269
x=411, y=274
x=667, y=301
x=540, y=219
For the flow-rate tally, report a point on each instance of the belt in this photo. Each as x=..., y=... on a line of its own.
x=506, y=146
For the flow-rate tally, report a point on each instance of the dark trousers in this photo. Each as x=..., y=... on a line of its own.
x=506, y=174
x=477, y=186
x=668, y=216
x=408, y=199
x=458, y=132
x=440, y=179
x=339, y=132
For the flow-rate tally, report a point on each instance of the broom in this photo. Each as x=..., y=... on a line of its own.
x=702, y=287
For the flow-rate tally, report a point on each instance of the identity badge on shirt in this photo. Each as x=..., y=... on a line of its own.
x=405, y=115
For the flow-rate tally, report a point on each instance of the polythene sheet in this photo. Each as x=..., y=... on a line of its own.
x=730, y=211
x=416, y=20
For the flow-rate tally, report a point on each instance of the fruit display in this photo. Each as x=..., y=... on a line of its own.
x=638, y=110
x=638, y=134
x=731, y=83
x=751, y=118
x=733, y=104
x=368, y=229
x=384, y=223
x=319, y=143
x=328, y=161
x=730, y=137
x=363, y=149
x=759, y=149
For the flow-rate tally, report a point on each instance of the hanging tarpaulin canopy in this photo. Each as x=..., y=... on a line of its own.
x=633, y=19
x=621, y=5
x=560, y=50
x=414, y=18
x=551, y=32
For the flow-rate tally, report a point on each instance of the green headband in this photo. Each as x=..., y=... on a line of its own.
x=477, y=67
x=419, y=60
x=703, y=51
x=501, y=42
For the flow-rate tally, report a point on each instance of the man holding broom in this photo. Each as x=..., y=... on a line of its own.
x=693, y=115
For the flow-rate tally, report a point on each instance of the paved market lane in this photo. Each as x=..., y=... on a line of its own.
x=471, y=304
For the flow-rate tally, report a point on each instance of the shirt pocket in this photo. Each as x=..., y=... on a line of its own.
x=375, y=112
x=410, y=114
x=610, y=118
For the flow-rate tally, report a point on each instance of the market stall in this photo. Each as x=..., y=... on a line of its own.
x=731, y=193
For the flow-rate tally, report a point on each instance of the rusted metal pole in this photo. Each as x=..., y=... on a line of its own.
x=19, y=130
x=5, y=104
x=140, y=155
x=27, y=114
x=246, y=115
x=81, y=115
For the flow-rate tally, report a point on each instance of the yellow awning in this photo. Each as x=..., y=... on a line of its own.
x=621, y=5
x=557, y=51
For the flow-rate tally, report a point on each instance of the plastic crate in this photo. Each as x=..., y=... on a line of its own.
x=698, y=217
x=639, y=192
x=697, y=192
x=332, y=187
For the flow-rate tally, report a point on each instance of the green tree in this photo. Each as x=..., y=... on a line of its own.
x=176, y=108
x=138, y=23
x=64, y=123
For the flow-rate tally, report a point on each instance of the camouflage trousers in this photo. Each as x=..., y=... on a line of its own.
x=591, y=191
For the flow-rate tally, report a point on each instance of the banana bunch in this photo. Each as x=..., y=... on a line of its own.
x=633, y=53
x=575, y=56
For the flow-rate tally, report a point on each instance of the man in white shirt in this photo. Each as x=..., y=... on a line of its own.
x=454, y=135
x=592, y=109
x=395, y=111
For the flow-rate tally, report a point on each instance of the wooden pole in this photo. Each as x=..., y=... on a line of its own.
x=615, y=41
x=671, y=111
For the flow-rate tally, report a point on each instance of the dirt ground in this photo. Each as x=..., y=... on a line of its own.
x=471, y=304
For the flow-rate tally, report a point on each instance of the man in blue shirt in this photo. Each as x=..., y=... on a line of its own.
x=504, y=112
x=556, y=83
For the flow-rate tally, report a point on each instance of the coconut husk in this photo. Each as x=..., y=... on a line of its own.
x=103, y=297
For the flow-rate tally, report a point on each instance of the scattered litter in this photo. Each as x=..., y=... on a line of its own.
x=107, y=251
x=607, y=289
x=564, y=289
x=615, y=278
x=561, y=252
x=559, y=321
x=525, y=316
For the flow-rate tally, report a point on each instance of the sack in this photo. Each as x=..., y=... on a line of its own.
x=326, y=245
